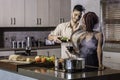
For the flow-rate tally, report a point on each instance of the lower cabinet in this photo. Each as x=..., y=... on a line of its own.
x=6, y=53
x=111, y=60
x=50, y=52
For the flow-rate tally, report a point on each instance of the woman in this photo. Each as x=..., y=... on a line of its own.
x=91, y=41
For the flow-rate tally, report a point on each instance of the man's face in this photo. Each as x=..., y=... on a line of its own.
x=76, y=15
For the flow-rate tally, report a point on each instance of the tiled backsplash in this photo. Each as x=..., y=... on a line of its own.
x=20, y=35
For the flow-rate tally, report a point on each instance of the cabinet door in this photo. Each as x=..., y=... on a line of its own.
x=42, y=13
x=50, y=52
x=17, y=12
x=65, y=10
x=6, y=53
x=1, y=12
x=30, y=13
x=12, y=13
x=5, y=13
x=43, y=52
x=56, y=52
x=111, y=59
x=54, y=12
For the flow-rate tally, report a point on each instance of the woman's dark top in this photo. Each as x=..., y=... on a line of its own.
x=88, y=50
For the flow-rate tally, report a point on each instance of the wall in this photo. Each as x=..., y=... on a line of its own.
x=19, y=33
x=90, y=5
x=9, y=36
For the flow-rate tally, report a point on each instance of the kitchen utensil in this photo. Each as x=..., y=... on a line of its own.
x=28, y=41
x=14, y=44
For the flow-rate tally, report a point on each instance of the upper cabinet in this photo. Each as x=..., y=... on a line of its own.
x=54, y=12
x=65, y=10
x=59, y=11
x=43, y=13
x=34, y=13
x=17, y=12
x=11, y=13
x=30, y=13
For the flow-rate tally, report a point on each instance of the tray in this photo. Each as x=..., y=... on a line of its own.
x=19, y=62
x=14, y=65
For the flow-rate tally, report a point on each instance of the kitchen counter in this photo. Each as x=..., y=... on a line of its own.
x=50, y=74
x=7, y=75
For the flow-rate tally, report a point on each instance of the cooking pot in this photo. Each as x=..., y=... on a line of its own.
x=74, y=64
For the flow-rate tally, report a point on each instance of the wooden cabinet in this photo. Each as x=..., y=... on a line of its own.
x=65, y=10
x=54, y=12
x=6, y=53
x=42, y=13
x=50, y=52
x=17, y=13
x=111, y=59
x=12, y=13
x=59, y=11
x=30, y=11
x=5, y=13
x=34, y=13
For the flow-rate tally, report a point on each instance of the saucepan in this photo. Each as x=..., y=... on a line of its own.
x=74, y=64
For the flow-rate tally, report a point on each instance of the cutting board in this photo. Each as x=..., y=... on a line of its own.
x=14, y=65
x=19, y=62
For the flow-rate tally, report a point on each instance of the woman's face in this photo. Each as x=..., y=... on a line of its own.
x=83, y=24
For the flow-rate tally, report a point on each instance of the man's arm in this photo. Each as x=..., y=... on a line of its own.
x=54, y=35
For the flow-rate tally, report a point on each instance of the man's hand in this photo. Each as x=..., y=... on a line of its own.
x=56, y=39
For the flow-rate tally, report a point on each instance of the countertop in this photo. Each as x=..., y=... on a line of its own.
x=50, y=74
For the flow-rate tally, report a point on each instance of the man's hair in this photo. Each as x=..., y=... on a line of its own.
x=79, y=8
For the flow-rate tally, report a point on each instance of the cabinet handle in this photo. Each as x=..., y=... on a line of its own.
x=107, y=57
x=60, y=20
x=11, y=21
x=48, y=54
x=37, y=21
x=40, y=21
x=14, y=21
x=63, y=20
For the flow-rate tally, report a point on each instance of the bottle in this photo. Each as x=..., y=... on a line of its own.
x=56, y=63
x=14, y=44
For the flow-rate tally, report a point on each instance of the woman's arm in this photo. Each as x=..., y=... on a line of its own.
x=99, y=50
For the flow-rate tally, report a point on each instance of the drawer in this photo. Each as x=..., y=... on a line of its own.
x=50, y=52
x=112, y=65
x=111, y=57
x=6, y=53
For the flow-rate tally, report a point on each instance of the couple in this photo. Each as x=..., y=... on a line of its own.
x=90, y=43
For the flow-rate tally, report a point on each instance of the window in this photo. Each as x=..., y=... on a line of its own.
x=111, y=22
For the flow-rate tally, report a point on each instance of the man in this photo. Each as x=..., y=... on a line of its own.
x=67, y=28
